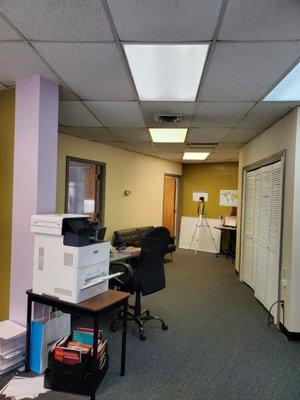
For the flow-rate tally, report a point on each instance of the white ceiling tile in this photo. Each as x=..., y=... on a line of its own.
x=228, y=146
x=131, y=134
x=170, y=147
x=245, y=71
x=167, y=20
x=136, y=146
x=58, y=20
x=266, y=113
x=207, y=135
x=117, y=113
x=100, y=135
x=66, y=94
x=74, y=113
x=225, y=115
x=17, y=60
x=94, y=71
x=169, y=108
x=241, y=135
x=6, y=32
x=261, y=20
x=177, y=157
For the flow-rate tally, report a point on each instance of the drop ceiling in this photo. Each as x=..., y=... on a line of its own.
x=80, y=45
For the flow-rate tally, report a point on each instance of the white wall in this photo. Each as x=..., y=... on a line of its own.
x=279, y=137
x=294, y=281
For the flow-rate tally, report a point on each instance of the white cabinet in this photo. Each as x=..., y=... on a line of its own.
x=262, y=232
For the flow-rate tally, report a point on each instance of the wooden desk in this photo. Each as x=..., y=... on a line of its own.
x=93, y=308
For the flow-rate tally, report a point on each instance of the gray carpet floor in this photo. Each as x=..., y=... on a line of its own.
x=218, y=346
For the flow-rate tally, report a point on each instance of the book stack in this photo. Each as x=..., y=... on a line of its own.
x=12, y=346
x=71, y=350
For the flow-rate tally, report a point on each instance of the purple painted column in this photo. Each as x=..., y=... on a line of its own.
x=34, y=188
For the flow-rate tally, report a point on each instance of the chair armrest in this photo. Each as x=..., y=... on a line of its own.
x=126, y=270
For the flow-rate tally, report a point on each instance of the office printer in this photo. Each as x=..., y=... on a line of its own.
x=68, y=262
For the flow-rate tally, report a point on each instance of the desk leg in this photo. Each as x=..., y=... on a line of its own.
x=124, y=334
x=95, y=359
x=28, y=332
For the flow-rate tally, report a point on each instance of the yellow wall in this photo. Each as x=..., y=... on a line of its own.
x=143, y=175
x=210, y=178
x=7, y=119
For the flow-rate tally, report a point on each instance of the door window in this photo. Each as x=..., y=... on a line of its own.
x=84, y=189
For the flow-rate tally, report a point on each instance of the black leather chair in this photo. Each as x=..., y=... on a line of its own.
x=144, y=277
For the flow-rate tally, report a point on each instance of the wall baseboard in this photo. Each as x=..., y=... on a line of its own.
x=288, y=334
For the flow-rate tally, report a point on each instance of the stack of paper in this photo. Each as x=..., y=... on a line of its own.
x=12, y=346
x=20, y=388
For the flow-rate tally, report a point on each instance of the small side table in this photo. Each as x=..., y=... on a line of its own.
x=93, y=308
x=231, y=240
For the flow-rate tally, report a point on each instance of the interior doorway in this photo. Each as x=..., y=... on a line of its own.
x=171, y=203
x=85, y=188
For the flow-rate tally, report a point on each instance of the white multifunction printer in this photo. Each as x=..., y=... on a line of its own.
x=68, y=262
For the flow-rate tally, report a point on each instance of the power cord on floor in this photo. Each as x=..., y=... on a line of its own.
x=281, y=302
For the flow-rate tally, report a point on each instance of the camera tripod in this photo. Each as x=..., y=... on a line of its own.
x=199, y=224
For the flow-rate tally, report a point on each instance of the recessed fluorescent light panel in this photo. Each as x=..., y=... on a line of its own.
x=166, y=72
x=168, y=135
x=192, y=156
x=288, y=89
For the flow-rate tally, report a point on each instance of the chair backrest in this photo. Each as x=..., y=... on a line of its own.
x=150, y=267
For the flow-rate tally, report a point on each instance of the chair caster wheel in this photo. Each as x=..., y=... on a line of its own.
x=164, y=327
x=142, y=334
x=147, y=313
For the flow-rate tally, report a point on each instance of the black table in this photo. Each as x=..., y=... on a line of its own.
x=93, y=308
x=231, y=240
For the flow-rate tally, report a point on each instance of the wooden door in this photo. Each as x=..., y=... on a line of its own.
x=169, y=206
x=91, y=176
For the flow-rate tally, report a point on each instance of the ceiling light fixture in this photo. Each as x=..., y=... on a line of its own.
x=288, y=89
x=168, y=135
x=166, y=72
x=193, y=156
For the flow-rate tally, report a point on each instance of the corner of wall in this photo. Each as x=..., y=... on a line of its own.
x=7, y=123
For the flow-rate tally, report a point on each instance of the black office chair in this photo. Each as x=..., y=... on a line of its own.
x=145, y=276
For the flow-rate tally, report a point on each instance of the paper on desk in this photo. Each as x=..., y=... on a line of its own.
x=22, y=387
x=10, y=330
x=94, y=280
x=107, y=277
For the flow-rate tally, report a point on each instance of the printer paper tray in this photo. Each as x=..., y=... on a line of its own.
x=99, y=279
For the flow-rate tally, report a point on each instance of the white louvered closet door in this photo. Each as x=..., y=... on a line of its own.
x=257, y=188
x=261, y=280
x=262, y=232
x=247, y=251
x=274, y=240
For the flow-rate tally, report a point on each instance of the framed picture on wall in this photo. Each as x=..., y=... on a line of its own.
x=228, y=198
